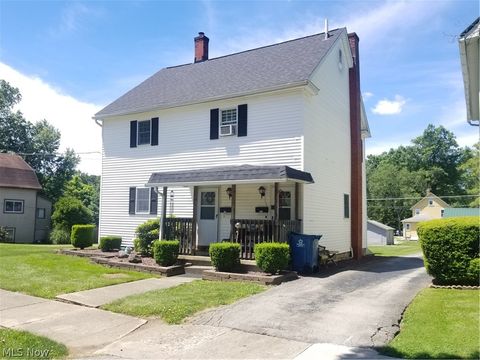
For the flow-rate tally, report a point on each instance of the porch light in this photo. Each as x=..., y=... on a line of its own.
x=229, y=192
x=261, y=191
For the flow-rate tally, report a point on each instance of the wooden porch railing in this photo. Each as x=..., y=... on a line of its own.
x=248, y=232
x=180, y=229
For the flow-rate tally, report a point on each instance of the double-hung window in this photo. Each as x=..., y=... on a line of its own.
x=228, y=122
x=142, y=205
x=143, y=132
x=285, y=202
x=13, y=207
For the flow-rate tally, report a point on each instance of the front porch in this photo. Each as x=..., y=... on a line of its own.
x=243, y=204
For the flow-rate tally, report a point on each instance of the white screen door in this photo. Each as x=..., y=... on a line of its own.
x=207, y=216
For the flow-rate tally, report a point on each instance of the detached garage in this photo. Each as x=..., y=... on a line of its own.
x=378, y=233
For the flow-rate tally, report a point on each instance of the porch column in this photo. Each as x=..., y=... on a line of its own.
x=276, y=206
x=232, y=217
x=297, y=201
x=193, y=245
x=164, y=214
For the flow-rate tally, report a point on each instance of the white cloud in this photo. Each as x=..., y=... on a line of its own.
x=71, y=116
x=389, y=107
x=366, y=95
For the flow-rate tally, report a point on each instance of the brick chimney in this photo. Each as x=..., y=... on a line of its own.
x=201, y=47
x=356, y=150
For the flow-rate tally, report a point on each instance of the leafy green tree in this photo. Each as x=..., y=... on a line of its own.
x=471, y=175
x=85, y=188
x=37, y=143
x=70, y=211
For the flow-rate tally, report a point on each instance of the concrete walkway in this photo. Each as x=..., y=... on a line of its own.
x=98, y=297
x=81, y=329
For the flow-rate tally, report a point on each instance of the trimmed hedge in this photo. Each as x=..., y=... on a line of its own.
x=147, y=233
x=82, y=236
x=225, y=256
x=165, y=252
x=449, y=246
x=110, y=243
x=272, y=257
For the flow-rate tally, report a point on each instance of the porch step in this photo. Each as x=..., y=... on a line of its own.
x=196, y=269
x=195, y=260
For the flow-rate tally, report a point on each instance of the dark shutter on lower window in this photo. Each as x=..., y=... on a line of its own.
x=131, y=200
x=153, y=200
x=346, y=206
x=213, y=124
x=133, y=133
x=242, y=120
x=154, y=131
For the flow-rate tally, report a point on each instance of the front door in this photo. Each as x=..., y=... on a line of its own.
x=207, y=216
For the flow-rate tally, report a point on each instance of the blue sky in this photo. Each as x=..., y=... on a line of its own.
x=70, y=58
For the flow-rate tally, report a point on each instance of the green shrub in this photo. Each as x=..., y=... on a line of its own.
x=60, y=236
x=82, y=236
x=109, y=243
x=165, y=252
x=474, y=271
x=225, y=256
x=272, y=257
x=449, y=245
x=147, y=233
x=3, y=234
x=70, y=211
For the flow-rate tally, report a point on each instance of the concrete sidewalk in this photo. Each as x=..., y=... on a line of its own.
x=104, y=295
x=80, y=328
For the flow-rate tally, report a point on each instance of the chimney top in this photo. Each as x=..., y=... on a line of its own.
x=201, y=47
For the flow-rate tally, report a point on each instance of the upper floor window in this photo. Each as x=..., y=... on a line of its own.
x=143, y=132
x=430, y=202
x=228, y=122
x=13, y=207
x=417, y=211
x=142, y=205
x=40, y=213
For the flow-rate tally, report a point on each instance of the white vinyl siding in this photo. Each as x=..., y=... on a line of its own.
x=274, y=138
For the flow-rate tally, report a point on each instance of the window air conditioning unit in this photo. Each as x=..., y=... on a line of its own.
x=227, y=130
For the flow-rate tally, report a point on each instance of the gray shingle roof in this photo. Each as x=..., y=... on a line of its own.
x=230, y=174
x=257, y=70
x=16, y=173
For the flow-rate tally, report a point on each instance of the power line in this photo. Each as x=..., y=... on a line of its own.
x=418, y=198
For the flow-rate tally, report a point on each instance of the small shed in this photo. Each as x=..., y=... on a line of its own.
x=378, y=233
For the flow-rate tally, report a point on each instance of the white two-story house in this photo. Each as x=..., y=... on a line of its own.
x=247, y=147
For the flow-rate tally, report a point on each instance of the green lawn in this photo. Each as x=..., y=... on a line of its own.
x=16, y=344
x=37, y=270
x=174, y=304
x=439, y=324
x=400, y=248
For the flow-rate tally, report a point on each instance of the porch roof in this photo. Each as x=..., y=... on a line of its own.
x=229, y=175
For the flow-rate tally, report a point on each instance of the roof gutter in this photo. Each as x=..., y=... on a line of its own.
x=464, y=62
x=298, y=84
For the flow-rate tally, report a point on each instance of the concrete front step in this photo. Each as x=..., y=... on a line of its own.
x=196, y=270
x=196, y=260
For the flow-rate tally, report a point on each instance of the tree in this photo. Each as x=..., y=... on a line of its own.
x=68, y=212
x=37, y=143
x=85, y=188
x=471, y=175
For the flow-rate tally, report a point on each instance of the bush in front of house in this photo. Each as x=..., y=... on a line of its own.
x=147, y=233
x=449, y=246
x=3, y=234
x=272, y=257
x=225, y=256
x=110, y=243
x=474, y=269
x=165, y=252
x=60, y=236
x=82, y=236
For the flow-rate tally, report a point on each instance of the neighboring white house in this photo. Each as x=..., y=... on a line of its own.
x=25, y=214
x=247, y=146
x=469, y=43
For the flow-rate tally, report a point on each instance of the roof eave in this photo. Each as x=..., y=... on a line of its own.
x=298, y=84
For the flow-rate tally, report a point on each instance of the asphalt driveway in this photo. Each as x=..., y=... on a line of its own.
x=360, y=306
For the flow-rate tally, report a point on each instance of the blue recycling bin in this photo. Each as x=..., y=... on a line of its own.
x=304, y=250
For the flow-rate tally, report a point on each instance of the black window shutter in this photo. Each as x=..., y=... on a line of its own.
x=153, y=200
x=131, y=200
x=346, y=206
x=213, y=124
x=154, y=136
x=242, y=120
x=133, y=133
